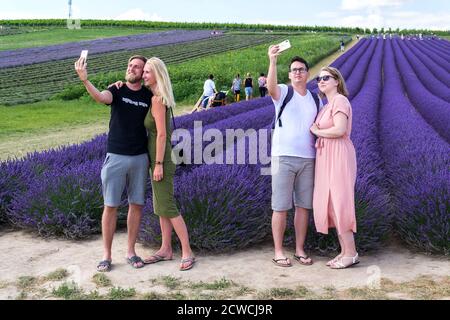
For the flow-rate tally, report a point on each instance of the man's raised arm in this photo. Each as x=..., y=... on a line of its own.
x=272, y=81
x=105, y=96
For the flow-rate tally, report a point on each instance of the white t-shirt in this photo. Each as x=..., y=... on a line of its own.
x=294, y=138
x=208, y=88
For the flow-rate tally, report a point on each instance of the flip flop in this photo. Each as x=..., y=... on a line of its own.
x=104, y=266
x=277, y=262
x=156, y=258
x=299, y=259
x=134, y=260
x=189, y=266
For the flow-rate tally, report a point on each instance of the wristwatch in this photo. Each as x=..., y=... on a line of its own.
x=158, y=162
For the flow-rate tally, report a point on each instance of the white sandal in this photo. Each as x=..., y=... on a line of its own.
x=329, y=263
x=339, y=265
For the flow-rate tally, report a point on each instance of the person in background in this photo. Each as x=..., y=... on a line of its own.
x=236, y=88
x=262, y=84
x=334, y=184
x=248, y=84
x=209, y=91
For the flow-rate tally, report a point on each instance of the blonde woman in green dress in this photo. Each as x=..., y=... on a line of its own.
x=157, y=122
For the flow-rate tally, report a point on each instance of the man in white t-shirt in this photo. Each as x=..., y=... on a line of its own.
x=293, y=156
x=209, y=90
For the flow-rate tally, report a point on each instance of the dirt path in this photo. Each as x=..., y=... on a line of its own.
x=251, y=269
x=314, y=71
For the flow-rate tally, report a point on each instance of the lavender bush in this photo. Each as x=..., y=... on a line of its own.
x=227, y=210
x=61, y=203
x=438, y=72
x=432, y=84
x=433, y=109
x=420, y=187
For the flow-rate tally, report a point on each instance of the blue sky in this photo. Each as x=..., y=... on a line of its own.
x=430, y=14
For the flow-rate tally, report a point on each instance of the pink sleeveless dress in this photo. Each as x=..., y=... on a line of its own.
x=335, y=173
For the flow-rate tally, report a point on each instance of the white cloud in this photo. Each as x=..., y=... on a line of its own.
x=365, y=4
x=138, y=14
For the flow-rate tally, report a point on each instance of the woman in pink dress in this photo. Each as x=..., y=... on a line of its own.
x=334, y=184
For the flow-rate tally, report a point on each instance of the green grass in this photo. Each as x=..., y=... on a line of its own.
x=63, y=35
x=48, y=115
x=26, y=282
x=57, y=275
x=120, y=293
x=101, y=280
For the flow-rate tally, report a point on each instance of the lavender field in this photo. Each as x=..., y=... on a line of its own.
x=399, y=91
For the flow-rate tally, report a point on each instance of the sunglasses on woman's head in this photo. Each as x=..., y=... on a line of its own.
x=324, y=78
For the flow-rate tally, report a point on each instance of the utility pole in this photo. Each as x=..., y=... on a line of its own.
x=70, y=9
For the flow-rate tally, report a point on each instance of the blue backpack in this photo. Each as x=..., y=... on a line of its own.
x=286, y=100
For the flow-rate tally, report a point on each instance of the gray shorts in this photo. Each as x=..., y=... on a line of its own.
x=119, y=171
x=292, y=182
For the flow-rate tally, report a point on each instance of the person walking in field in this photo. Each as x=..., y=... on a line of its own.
x=334, y=186
x=248, y=84
x=293, y=154
x=262, y=84
x=126, y=162
x=236, y=88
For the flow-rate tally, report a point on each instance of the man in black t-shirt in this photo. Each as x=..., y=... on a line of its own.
x=126, y=162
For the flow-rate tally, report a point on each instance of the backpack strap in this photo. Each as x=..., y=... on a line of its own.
x=173, y=118
x=286, y=100
x=317, y=101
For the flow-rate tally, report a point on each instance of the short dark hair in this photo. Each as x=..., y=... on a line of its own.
x=299, y=59
x=211, y=76
x=262, y=74
x=142, y=58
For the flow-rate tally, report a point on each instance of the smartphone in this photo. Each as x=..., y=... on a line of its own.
x=84, y=54
x=286, y=44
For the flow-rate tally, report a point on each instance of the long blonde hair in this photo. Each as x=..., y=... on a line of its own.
x=164, y=86
x=341, y=88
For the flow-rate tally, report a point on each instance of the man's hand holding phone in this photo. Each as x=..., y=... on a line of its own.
x=275, y=50
x=81, y=65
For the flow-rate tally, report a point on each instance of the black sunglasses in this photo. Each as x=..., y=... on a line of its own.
x=324, y=78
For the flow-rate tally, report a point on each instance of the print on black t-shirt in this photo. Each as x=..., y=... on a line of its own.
x=127, y=134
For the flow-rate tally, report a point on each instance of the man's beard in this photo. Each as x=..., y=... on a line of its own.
x=132, y=78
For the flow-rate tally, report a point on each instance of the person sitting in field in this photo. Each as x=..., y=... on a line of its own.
x=209, y=89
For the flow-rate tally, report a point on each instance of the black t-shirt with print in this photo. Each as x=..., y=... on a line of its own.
x=127, y=134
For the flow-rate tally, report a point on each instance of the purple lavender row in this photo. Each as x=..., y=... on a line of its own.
x=434, y=110
x=443, y=52
x=427, y=78
x=216, y=114
x=228, y=209
x=356, y=80
x=351, y=58
x=417, y=162
x=438, y=72
x=370, y=183
x=438, y=59
x=20, y=57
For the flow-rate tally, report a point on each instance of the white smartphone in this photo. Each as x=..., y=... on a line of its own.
x=84, y=54
x=286, y=44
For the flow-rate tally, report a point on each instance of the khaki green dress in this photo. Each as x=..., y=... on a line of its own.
x=163, y=199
